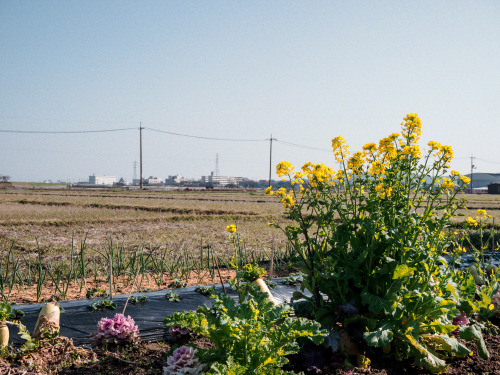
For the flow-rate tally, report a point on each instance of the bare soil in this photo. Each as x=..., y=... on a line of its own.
x=26, y=294
x=62, y=357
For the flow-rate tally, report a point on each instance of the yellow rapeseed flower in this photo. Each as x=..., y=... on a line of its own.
x=284, y=168
x=412, y=128
x=340, y=148
x=471, y=221
x=447, y=184
x=231, y=228
x=370, y=147
x=386, y=147
x=356, y=162
x=376, y=168
x=269, y=191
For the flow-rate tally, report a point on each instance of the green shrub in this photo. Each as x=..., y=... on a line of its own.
x=370, y=239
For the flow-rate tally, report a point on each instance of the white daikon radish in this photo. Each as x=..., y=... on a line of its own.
x=48, y=320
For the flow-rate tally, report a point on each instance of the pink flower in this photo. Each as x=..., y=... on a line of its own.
x=118, y=330
x=183, y=361
x=495, y=300
x=460, y=320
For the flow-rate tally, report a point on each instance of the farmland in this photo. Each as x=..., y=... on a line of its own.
x=169, y=233
x=173, y=233
x=171, y=219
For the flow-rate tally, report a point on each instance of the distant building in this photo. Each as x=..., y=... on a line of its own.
x=494, y=189
x=175, y=179
x=153, y=180
x=102, y=180
x=482, y=180
x=220, y=181
x=121, y=183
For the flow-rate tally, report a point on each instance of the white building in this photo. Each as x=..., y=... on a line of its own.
x=220, y=180
x=153, y=180
x=102, y=180
x=175, y=179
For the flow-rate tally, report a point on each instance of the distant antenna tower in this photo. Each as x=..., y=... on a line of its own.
x=135, y=170
x=217, y=171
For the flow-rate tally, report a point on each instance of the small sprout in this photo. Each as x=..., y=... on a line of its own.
x=173, y=296
x=134, y=300
x=292, y=280
x=97, y=293
x=205, y=290
x=102, y=305
x=270, y=284
x=17, y=314
x=177, y=283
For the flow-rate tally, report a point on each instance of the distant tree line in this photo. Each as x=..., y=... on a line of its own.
x=4, y=178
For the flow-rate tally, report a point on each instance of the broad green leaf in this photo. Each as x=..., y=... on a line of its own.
x=426, y=358
x=375, y=303
x=449, y=344
x=473, y=333
x=437, y=326
x=380, y=337
x=432, y=363
x=482, y=350
x=470, y=333
x=451, y=288
x=403, y=270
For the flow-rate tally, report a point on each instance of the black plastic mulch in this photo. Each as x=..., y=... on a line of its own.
x=78, y=321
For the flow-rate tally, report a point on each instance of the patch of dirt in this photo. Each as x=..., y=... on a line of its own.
x=25, y=294
x=149, y=358
x=387, y=365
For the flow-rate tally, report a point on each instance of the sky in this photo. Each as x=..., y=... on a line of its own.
x=301, y=71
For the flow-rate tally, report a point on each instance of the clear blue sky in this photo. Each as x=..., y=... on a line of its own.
x=305, y=71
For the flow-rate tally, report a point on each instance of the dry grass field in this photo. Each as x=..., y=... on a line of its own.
x=171, y=219
x=159, y=234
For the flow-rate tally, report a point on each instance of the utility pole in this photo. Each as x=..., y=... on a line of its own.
x=472, y=167
x=270, y=156
x=140, y=152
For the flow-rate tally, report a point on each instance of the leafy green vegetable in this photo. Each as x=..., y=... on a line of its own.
x=102, y=305
x=205, y=290
x=252, y=272
x=173, y=296
x=253, y=337
x=134, y=300
x=177, y=283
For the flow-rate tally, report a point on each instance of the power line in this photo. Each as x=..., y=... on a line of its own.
x=487, y=161
x=65, y=132
x=210, y=138
x=302, y=146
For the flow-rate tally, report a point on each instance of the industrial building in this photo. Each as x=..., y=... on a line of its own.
x=175, y=179
x=482, y=180
x=102, y=180
x=494, y=189
x=220, y=181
